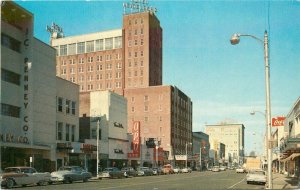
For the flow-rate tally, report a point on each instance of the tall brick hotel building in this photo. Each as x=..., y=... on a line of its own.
x=128, y=61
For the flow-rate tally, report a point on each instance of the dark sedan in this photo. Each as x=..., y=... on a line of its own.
x=129, y=171
x=112, y=172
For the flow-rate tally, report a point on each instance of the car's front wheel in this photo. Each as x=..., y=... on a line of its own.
x=10, y=183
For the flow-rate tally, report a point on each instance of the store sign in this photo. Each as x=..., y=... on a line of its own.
x=10, y=138
x=139, y=6
x=88, y=147
x=160, y=154
x=118, y=151
x=64, y=146
x=278, y=121
x=118, y=125
x=135, y=140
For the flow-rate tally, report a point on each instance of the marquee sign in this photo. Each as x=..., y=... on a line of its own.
x=138, y=6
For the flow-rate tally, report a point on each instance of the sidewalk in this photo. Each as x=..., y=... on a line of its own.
x=281, y=181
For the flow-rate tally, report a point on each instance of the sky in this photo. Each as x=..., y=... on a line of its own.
x=225, y=82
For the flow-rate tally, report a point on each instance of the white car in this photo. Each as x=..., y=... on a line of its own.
x=186, y=170
x=240, y=170
x=222, y=168
x=215, y=169
x=23, y=175
x=177, y=170
x=256, y=176
x=69, y=174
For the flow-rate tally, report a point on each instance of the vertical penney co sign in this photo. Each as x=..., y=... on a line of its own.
x=278, y=121
x=27, y=80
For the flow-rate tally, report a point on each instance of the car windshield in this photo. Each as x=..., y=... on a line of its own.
x=108, y=169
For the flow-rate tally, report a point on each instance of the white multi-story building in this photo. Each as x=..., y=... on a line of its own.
x=232, y=135
x=28, y=129
x=110, y=109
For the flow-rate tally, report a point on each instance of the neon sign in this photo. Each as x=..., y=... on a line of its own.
x=138, y=6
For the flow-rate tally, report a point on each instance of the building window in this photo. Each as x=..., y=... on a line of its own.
x=108, y=66
x=64, y=71
x=90, y=59
x=73, y=133
x=80, y=70
x=132, y=99
x=89, y=46
x=63, y=50
x=146, y=108
x=73, y=107
x=72, y=70
x=71, y=49
x=142, y=42
x=10, y=43
x=146, y=98
x=142, y=53
x=81, y=47
x=135, y=42
x=142, y=31
x=146, y=119
x=129, y=43
x=60, y=104
x=59, y=131
x=118, y=42
x=108, y=43
x=142, y=72
x=135, y=32
x=135, y=54
x=11, y=77
x=10, y=110
x=81, y=60
x=119, y=65
x=68, y=106
x=99, y=58
x=90, y=68
x=132, y=109
x=67, y=132
x=99, y=45
x=142, y=63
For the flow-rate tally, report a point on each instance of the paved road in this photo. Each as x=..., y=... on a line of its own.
x=195, y=180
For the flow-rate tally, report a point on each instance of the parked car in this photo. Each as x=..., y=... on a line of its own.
x=158, y=170
x=222, y=168
x=240, y=170
x=168, y=169
x=129, y=171
x=256, y=176
x=14, y=176
x=68, y=174
x=111, y=172
x=186, y=170
x=215, y=169
x=144, y=171
x=177, y=170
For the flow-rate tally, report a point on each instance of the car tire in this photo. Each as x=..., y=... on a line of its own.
x=10, y=183
x=85, y=179
x=42, y=183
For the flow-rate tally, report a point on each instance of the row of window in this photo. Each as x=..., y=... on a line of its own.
x=65, y=132
x=98, y=58
x=90, y=68
x=90, y=78
x=146, y=108
x=135, y=54
x=70, y=106
x=10, y=43
x=100, y=86
x=10, y=76
x=135, y=42
x=89, y=46
x=10, y=110
x=136, y=32
x=136, y=21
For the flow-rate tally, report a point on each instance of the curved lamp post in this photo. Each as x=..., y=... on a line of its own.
x=235, y=39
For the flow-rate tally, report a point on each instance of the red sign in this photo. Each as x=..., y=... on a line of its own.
x=135, y=140
x=278, y=121
x=160, y=156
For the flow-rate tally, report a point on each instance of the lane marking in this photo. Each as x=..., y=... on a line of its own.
x=236, y=184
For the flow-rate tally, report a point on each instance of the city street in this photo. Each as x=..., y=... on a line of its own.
x=195, y=180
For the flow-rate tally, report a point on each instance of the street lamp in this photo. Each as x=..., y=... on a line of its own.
x=186, y=144
x=235, y=39
x=98, y=126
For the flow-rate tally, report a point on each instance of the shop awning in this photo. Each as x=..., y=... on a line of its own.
x=291, y=157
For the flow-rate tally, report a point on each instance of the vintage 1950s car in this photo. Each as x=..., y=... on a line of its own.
x=14, y=176
x=68, y=174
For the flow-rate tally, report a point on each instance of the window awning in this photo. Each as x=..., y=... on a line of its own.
x=291, y=157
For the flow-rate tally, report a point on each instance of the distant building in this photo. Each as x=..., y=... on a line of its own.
x=232, y=135
x=201, y=143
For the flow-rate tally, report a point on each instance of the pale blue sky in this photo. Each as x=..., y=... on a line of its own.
x=225, y=82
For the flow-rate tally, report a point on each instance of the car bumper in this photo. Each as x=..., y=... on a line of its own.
x=56, y=179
